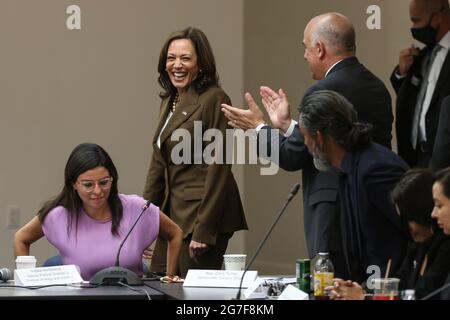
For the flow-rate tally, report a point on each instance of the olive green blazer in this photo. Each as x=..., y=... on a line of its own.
x=203, y=199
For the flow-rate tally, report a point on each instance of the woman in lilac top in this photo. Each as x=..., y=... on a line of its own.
x=89, y=219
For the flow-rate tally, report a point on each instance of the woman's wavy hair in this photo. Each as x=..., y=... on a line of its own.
x=207, y=74
x=84, y=157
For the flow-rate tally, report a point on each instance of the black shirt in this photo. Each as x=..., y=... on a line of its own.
x=435, y=269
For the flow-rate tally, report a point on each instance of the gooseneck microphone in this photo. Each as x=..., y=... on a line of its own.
x=291, y=195
x=145, y=207
x=5, y=274
x=435, y=292
x=116, y=274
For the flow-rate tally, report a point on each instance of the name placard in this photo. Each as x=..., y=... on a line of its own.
x=218, y=278
x=44, y=276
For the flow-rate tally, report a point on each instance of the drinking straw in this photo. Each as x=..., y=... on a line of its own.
x=424, y=265
x=387, y=269
x=383, y=289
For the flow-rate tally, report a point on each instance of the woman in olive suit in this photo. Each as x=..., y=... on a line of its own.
x=200, y=196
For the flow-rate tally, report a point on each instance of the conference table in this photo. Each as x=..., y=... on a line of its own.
x=155, y=290
x=173, y=300
x=79, y=293
x=176, y=291
x=152, y=289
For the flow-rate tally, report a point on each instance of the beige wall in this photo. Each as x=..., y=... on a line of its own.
x=59, y=88
x=273, y=56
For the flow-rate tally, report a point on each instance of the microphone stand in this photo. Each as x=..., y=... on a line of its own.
x=116, y=274
x=435, y=292
x=293, y=192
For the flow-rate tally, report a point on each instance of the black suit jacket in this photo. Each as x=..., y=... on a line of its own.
x=371, y=99
x=407, y=90
x=441, y=150
x=437, y=251
x=371, y=228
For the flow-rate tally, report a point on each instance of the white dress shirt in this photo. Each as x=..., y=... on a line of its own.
x=432, y=80
x=158, y=142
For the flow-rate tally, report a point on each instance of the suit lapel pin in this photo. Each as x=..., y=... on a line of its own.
x=184, y=113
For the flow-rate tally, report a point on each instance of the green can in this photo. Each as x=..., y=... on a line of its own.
x=303, y=274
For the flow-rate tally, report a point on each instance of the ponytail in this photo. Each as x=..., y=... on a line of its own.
x=359, y=136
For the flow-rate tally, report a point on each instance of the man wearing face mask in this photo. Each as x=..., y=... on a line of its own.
x=421, y=81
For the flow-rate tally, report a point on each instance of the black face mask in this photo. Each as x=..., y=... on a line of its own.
x=426, y=35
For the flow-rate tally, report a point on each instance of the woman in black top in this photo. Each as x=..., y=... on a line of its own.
x=441, y=212
x=427, y=261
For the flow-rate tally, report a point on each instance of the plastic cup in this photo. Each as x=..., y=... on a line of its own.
x=385, y=289
x=234, y=261
x=25, y=262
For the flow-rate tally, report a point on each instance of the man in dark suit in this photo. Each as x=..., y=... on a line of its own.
x=329, y=41
x=421, y=81
x=371, y=229
x=441, y=151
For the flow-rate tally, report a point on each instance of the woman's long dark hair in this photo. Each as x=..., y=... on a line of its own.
x=84, y=157
x=207, y=74
x=443, y=177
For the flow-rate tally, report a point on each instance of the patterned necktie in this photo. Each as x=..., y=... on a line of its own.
x=421, y=97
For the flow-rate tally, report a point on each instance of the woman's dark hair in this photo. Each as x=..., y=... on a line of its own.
x=207, y=74
x=332, y=114
x=414, y=198
x=84, y=157
x=443, y=177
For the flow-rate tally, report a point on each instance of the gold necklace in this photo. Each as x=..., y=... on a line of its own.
x=174, y=103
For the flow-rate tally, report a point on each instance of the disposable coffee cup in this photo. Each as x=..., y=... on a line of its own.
x=25, y=262
x=234, y=262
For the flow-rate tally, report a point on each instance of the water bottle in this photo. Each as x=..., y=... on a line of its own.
x=323, y=276
x=409, y=295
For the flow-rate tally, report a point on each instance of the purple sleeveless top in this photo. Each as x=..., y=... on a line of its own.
x=93, y=247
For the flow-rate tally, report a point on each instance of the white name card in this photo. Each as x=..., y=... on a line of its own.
x=293, y=293
x=255, y=290
x=44, y=276
x=218, y=278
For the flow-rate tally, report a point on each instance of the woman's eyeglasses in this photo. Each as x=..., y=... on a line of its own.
x=89, y=186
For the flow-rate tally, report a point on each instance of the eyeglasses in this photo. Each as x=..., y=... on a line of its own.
x=89, y=186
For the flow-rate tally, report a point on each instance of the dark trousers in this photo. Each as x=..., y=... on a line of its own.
x=211, y=259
